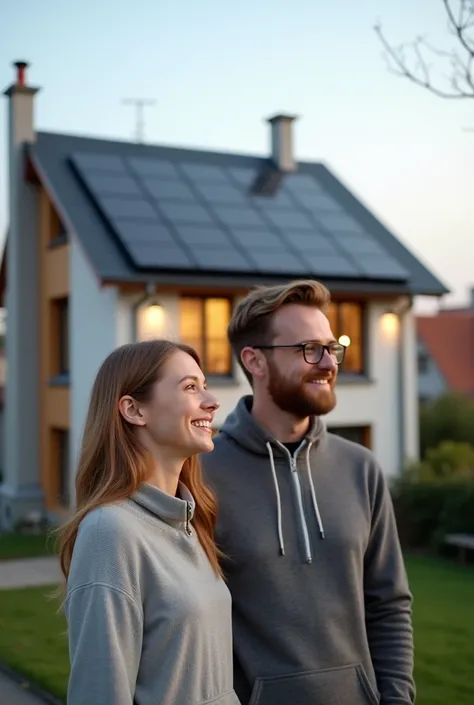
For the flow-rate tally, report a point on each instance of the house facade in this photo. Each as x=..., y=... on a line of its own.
x=111, y=242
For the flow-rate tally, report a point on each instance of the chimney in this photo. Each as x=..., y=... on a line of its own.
x=282, y=142
x=20, y=492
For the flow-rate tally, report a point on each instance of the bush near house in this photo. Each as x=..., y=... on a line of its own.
x=448, y=418
x=435, y=497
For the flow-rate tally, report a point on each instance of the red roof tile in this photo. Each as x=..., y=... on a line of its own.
x=449, y=338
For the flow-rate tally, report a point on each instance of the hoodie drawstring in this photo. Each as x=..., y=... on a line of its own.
x=300, y=503
x=313, y=493
x=277, y=492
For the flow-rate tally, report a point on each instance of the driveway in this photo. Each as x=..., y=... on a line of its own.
x=12, y=693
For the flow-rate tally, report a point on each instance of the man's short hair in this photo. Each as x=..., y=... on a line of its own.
x=251, y=322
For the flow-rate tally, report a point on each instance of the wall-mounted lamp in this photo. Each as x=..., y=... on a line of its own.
x=344, y=340
x=390, y=325
x=149, y=316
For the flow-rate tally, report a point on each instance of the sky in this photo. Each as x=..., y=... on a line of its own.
x=216, y=69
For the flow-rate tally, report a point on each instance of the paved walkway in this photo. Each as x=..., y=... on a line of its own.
x=13, y=693
x=29, y=572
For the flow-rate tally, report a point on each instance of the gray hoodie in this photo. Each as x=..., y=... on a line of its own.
x=149, y=620
x=321, y=605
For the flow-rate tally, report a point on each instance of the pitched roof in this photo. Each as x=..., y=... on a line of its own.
x=151, y=213
x=449, y=338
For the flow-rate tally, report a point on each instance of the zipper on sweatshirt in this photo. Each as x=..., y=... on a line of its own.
x=189, y=512
x=299, y=499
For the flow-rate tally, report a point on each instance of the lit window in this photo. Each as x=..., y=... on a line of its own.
x=347, y=318
x=203, y=326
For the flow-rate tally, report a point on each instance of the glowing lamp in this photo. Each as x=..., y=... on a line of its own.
x=149, y=316
x=344, y=340
x=389, y=324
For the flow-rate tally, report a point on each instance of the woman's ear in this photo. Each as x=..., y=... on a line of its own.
x=130, y=411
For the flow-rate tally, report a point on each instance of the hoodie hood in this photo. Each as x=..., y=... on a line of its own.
x=242, y=427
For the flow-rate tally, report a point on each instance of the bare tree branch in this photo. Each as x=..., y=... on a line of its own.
x=410, y=60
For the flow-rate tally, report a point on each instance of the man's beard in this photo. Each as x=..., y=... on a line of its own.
x=294, y=398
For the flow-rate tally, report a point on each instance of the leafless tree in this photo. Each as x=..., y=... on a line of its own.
x=412, y=59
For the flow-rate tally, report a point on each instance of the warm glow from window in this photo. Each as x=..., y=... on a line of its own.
x=344, y=340
x=390, y=325
x=151, y=322
x=346, y=319
x=203, y=325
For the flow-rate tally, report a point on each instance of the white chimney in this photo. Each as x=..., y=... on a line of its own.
x=20, y=492
x=282, y=142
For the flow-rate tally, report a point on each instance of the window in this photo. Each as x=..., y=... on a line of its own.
x=60, y=337
x=347, y=318
x=423, y=363
x=203, y=325
x=357, y=434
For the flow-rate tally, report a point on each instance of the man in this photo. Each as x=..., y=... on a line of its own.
x=321, y=605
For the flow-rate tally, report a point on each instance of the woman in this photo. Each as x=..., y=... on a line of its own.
x=149, y=615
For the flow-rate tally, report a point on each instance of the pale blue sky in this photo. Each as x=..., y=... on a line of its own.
x=216, y=69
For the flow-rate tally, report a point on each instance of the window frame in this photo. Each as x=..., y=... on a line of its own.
x=363, y=336
x=214, y=376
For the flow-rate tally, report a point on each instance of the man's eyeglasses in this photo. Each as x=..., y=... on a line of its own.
x=313, y=352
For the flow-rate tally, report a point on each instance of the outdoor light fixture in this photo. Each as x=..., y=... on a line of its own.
x=149, y=316
x=344, y=340
x=390, y=325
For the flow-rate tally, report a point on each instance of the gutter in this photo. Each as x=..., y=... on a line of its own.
x=401, y=310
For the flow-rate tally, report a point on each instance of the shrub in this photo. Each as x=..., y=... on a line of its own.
x=448, y=418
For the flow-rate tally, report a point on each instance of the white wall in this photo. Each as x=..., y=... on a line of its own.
x=94, y=314
x=374, y=402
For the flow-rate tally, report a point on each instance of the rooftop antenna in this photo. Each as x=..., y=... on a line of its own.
x=139, y=104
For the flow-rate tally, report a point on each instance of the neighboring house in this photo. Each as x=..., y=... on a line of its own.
x=111, y=242
x=445, y=352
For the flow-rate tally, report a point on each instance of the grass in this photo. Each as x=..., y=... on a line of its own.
x=33, y=640
x=33, y=637
x=25, y=546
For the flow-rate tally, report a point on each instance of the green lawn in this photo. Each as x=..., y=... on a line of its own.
x=33, y=640
x=25, y=546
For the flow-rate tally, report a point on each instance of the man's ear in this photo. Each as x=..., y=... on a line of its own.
x=254, y=362
x=130, y=411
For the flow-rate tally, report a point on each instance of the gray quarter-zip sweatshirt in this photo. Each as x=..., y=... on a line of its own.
x=149, y=620
x=321, y=605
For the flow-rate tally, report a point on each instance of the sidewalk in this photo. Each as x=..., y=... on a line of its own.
x=12, y=693
x=29, y=572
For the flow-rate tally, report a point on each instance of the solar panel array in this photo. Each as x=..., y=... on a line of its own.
x=190, y=216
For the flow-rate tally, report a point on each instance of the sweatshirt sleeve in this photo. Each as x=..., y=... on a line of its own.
x=105, y=641
x=388, y=603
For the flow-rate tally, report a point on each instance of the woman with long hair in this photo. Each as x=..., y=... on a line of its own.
x=148, y=612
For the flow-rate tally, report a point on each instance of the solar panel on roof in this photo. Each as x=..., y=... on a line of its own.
x=219, y=258
x=185, y=213
x=278, y=200
x=294, y=219
x=262, y=239
x=359, y=245
x=204, y=172
x=159, y=168
x=106, y=163
x=106, y=184
x=201, y=235
x=381, y=267
x=297, y=183
x=318, y=202
x=220, y=193
x=329, y=265
x=136, y=208
x=245, y=177
x=281, y=262
x=310, y=242
x=131, y=231
x=149, y=255
x=342, y=222
x=168, y=189
x=241, y=216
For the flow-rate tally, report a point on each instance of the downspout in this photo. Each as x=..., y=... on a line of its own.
x=401, y=311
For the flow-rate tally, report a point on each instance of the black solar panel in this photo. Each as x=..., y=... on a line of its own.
x=203, y=216
x=158, y=168
x=171, y=189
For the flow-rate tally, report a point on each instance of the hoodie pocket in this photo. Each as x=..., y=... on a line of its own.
x=348, y=685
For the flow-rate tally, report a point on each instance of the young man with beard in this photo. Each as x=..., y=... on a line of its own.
x=321, y=604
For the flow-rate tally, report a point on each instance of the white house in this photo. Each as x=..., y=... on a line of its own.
x=112, y=241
